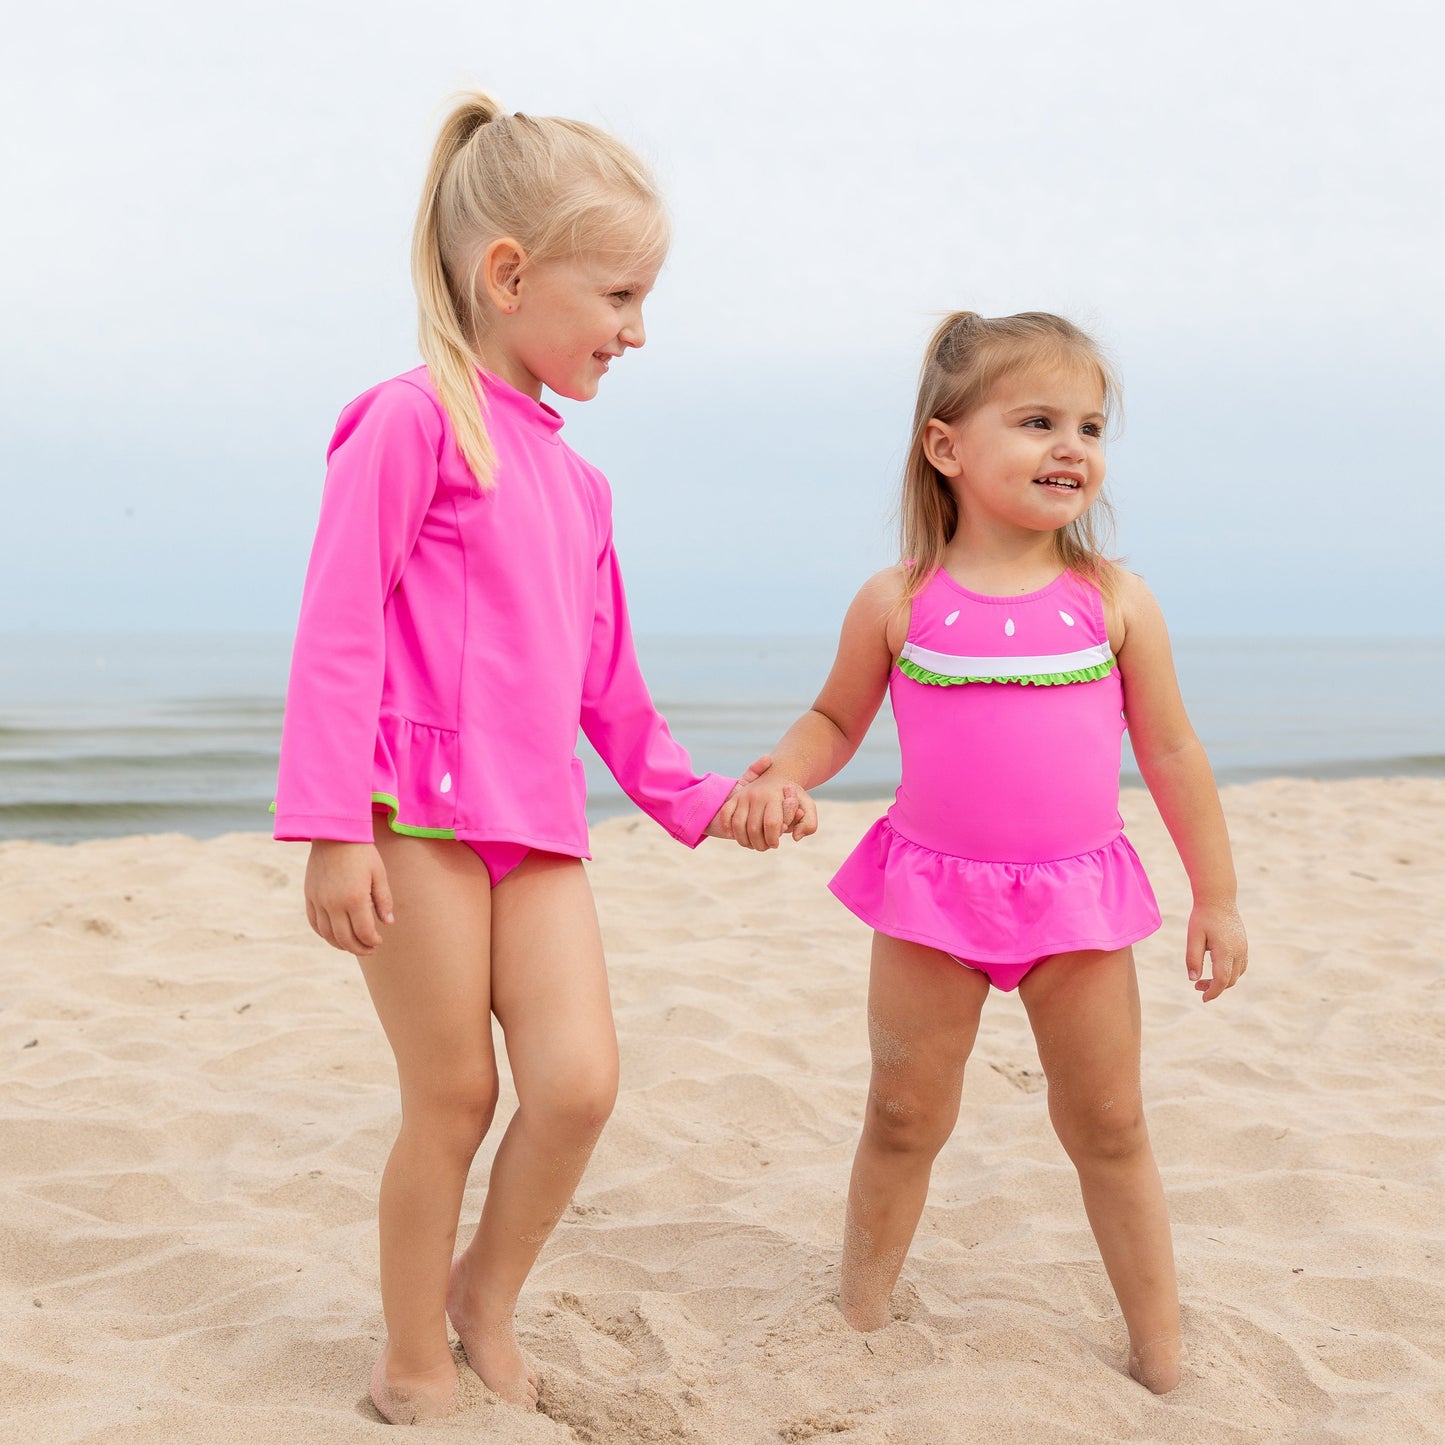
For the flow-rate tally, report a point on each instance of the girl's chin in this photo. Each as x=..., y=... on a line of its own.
x=583, y=390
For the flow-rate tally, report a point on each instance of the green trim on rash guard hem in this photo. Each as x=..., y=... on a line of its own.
x=407, y=829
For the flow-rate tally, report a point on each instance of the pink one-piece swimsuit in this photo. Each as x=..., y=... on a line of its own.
x=1004, y=845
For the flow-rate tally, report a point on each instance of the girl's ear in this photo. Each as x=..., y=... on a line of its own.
x=940, y=446
x=501, y=273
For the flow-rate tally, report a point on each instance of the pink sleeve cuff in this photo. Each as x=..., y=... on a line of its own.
x=307, y=827
x=711, y=794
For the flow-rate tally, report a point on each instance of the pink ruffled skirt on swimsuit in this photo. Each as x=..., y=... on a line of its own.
x=997, y=912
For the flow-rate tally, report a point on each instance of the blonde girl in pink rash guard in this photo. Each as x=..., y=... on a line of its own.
x=1015, y=654
x=463, y=614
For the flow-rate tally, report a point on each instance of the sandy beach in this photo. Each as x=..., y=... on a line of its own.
x=197, y=1103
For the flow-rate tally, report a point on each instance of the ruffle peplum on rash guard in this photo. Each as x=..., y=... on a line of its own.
x=1004, y=843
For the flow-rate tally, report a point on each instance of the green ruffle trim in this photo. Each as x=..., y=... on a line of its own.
x=394, y=807
x=1039, y=679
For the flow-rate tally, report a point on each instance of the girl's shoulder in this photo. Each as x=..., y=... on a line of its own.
x=408, y=388
x=396, y=439
x=407, y=400
x=1127, y=603
x=880, y=608
x=887, y=586
x=1119, y=587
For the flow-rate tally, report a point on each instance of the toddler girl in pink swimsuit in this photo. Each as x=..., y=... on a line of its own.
x=463, y=615
x=1014, y=654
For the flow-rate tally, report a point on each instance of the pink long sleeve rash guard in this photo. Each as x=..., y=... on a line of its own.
x=451, y=641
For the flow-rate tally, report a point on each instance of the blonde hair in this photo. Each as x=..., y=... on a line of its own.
x=558, y=188
x=966, y=358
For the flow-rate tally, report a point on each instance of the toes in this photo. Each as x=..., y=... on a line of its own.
x=522, y=1393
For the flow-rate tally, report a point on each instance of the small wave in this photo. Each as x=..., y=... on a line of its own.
x=74, y=822
x=112, y=763
x=1408, y=765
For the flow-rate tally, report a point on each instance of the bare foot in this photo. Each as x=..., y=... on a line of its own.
x=413, y=1399
x=1156, y=1363
x=491, y=1344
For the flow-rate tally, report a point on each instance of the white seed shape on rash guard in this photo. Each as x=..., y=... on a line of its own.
x=446, y=783
x=951, y=618
x=1008, y=628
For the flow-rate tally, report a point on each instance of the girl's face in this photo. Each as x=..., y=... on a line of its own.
x=1031, y=457
x=561, y=323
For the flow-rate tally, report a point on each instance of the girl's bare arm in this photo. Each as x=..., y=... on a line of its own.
x=822, y=741
x=1181, y=782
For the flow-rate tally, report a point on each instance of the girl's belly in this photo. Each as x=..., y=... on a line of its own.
x=1009, y=772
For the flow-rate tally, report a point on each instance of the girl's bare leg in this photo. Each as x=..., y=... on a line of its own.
x=429, y=984
x=549, y=990
x=1084, y=1008
x=923, y=1011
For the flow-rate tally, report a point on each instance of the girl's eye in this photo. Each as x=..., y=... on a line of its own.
x=622, y=297
x=1038, y=421
x=1093, y=429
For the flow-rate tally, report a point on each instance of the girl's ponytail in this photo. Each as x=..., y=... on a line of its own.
x=446, y=323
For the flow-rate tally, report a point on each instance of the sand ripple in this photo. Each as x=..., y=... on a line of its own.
x=197, y=1103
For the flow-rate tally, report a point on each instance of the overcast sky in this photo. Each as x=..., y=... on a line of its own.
x=204, y=257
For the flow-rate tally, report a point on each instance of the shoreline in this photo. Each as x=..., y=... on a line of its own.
x=604, y=807
x=199, y=1100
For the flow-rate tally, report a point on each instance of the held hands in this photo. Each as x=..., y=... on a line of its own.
x=1216, y=929
x=760, y=809
x=347, y=895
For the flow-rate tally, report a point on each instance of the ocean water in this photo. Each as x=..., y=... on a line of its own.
x=104, y=735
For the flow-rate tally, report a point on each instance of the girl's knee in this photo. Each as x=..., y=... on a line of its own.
x=457, y=1111
x=1104, y=1131
x=898, y=1122
x=575, y=1105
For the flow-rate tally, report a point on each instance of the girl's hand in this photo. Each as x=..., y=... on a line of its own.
x=766, y=809
x=347, y=895
x=722, y=822
x=796, y=812
x=1216, y=929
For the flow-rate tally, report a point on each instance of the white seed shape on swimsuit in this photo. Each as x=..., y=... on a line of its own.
x=951, y=618
x=1068, y=621
x=1008, y=628
x=446, y=783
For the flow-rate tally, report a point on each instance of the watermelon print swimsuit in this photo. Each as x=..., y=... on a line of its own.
x=1004, y=844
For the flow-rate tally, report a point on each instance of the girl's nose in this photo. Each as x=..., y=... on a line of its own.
x=632, y=332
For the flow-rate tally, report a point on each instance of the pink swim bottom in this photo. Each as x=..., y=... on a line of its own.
x=499, y=858
x=1005, y=976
